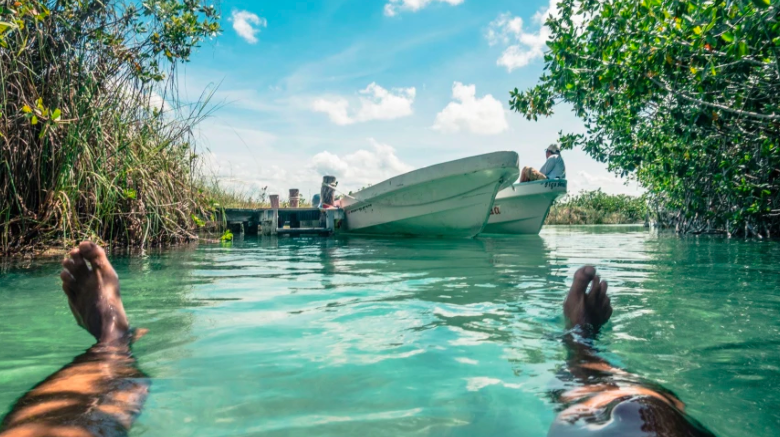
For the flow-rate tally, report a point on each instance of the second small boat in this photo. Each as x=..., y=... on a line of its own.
x=452, y=199
x=522, y=208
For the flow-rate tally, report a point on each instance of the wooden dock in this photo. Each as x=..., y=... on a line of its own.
x=283, y=221
x=291, y=221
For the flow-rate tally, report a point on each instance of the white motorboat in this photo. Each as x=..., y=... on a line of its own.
x=452, y=199
x=522, y=208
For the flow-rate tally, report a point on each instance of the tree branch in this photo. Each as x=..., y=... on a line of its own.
x=713, y=105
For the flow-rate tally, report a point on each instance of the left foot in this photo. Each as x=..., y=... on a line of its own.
x=92, y=287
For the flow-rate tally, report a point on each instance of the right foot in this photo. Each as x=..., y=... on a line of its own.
x=92, y=287
x=587, y=308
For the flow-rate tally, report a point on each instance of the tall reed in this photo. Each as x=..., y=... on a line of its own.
x=94, y=142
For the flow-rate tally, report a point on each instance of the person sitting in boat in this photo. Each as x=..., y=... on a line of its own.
x=554, y=168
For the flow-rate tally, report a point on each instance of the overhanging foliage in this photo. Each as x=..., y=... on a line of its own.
x=682, y=95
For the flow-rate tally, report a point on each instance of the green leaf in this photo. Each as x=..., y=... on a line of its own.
x=130, y=193
x=56, y=115
x=200, y=223
x=761, y=3
x=742, y=49
x=6, y=26
x=728, y=37
x=697, y=30
x=34, y=120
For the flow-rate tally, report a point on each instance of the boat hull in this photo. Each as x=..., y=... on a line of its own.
x=522, y=208
x=448, y=200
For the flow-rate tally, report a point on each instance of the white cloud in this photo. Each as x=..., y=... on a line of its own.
x=158, y=102
x=607, y=182
x=522, y=46
x=376, y=103
x=394, y=6
x=484, y=116
x=336, y=108
x=247, y=24
x=149, y=99
x=360, y=168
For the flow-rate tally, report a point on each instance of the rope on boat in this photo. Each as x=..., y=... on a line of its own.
x=333, y=187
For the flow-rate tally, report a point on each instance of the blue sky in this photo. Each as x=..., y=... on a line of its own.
x=367, y=89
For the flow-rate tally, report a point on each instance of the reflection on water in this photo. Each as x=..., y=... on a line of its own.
x=371, y=336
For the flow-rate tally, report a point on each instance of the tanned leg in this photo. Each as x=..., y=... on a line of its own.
x=101, y=392
x=524, y=174
x=530, y=174
x=604, y=400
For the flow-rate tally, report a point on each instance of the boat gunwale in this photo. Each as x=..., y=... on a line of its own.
x=535, y=185
x=453, y=169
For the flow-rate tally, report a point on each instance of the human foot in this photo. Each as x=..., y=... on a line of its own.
x=582, y=308
x=92, y=287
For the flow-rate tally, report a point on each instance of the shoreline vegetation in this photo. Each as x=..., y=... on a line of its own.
x=95, y=142
x=598, y=208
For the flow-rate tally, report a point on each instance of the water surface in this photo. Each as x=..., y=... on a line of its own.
x=389, y=337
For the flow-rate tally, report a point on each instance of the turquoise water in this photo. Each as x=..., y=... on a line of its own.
x=388, y=337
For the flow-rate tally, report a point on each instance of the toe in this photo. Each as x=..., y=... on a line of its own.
x=94, y=254
x=593, y=294
x=70, y=265
x=75, y=264
x=581, y=279
x=67, y=282
x=585, y=274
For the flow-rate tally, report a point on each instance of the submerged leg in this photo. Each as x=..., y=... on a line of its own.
x=605, y=400
x=101, y=392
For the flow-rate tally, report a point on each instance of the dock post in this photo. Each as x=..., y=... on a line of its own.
x=327, y=191
x=294, y=197
x=327, y=194
x=295, y=221
x=275, y=211
x=269, y=221
x=334, y=219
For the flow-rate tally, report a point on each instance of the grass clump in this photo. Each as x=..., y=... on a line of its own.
x=232, y=196
x=93, y=141
x=597, y=208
